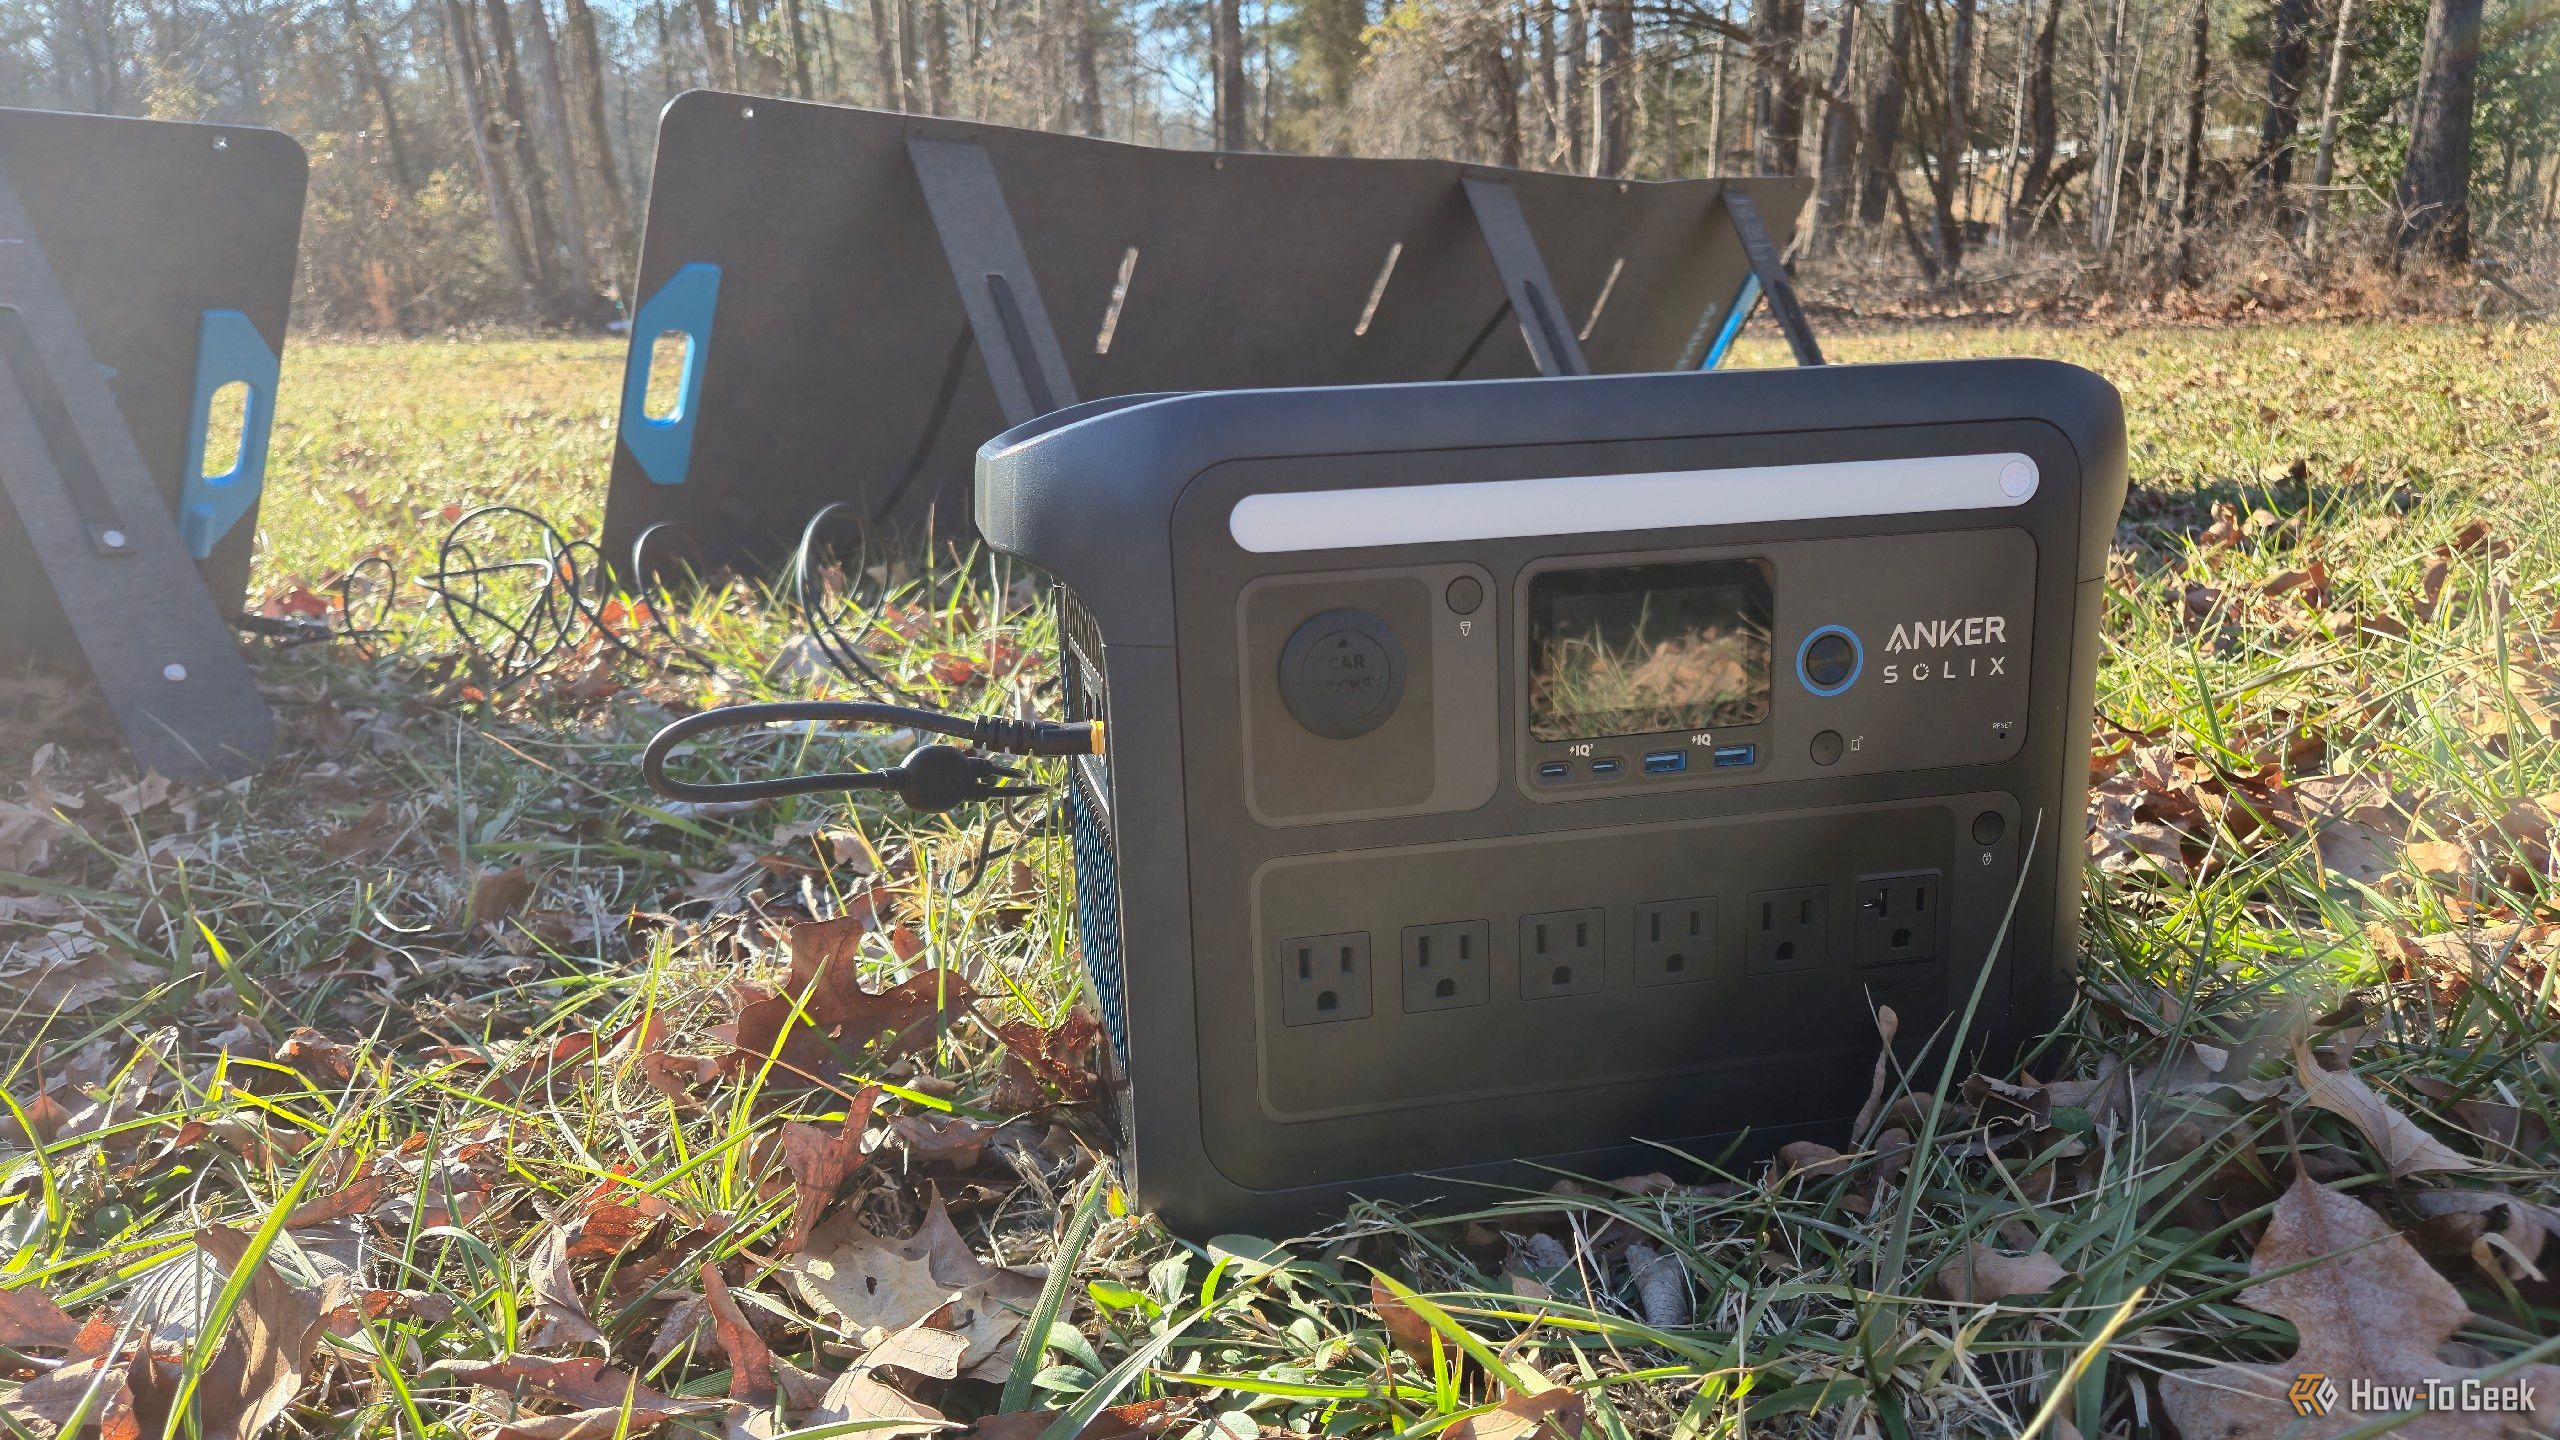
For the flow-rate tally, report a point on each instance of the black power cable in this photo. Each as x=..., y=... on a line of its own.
x=931, y=778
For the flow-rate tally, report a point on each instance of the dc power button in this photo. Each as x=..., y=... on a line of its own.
x=1829, y=660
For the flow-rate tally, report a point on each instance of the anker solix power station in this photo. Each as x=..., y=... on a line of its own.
x=1525, y=771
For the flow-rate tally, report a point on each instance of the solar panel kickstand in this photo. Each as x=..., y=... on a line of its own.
x=1524, y=278
x=1771, y=272
x=994, y=276
x=168, y=665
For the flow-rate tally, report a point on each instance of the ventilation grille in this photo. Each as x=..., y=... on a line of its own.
x=1098, y=908
x=1089, y=826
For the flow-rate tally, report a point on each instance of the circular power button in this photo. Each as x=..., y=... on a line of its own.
x=1829, y=660
x=1988, y=827
x=1342, y=674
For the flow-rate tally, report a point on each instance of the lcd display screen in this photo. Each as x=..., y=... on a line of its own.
x=1636, y=649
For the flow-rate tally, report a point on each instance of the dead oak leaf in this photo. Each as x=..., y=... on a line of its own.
x=1981, y=1275
x=1557, y=1414
x=495, y=896
x=751, y=1377
x=585, y=1381
x=559, y=1311
x=2365, y=1304
x=2406, y=1149
x=1406, y=1328
x=820, y=1161
x=30, y=1320
x=265, y=1354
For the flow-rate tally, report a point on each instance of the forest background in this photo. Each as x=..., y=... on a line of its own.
x=479, y=162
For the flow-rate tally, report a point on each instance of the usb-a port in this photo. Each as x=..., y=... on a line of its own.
x=1666, y=762
x=1729, y=756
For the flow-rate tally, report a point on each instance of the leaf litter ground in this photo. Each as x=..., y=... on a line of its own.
x=442, y=1082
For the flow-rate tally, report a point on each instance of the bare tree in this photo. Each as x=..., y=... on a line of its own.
x=1839, y=133
x=555, y=115
x=1780, y=104
x=2324, y=159
x=2288, y=65
x=1884, y=114
x=590, y=59
x=2035, y=183
x=1226, y=48
x=2434, y=198
x=1956, y=139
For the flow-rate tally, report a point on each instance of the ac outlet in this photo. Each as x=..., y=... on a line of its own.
x=1561, y=954
x=1675, y=941
x=1898, y=917
x=1324, y=978
x=1786, y=929
x=1447, y=966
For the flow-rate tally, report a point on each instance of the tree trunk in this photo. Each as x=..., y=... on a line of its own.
x=2434, y=198
x=1781, y=92
x=369, y=73
x=1089, y=66
x=1838, y=161
x=1884, y=115
x=1226, y=54
x=1957, y=138
x=1577, y=52
x=465, y=39
x=541, y=236
x=715, y=44
x=2043, y=124
x=2106, y=148
x=590, y=60
x=2001, y=193
x=2324, y=159
x=2288, y=64
x=2200, y=70
x=1715, y=96
x=884, y=31
x=555, y=115
x=1613, y=99
x=937, y=56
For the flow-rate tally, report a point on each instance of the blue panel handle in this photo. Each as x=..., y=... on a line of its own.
x=1744, y=302
x=663, y=444
x=229, y=350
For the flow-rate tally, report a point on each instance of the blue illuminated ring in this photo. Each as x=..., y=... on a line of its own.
x=1857, y=659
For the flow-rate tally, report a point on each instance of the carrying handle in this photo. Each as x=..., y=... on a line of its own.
x=684, y=307
x=229, y=351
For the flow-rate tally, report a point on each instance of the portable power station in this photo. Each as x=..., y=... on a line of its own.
x=1514, y=777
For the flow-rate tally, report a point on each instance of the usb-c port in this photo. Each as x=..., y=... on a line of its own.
x=1666, y=762
x=1610, y=766
x=1555, y=769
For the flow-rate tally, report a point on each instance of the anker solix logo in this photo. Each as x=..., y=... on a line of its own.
x=2313, y=1394
x=1970, y=632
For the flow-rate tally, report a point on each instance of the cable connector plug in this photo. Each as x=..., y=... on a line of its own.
x=1037, y=737
x=934, y=778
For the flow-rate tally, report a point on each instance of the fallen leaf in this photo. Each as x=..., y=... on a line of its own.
x=750, y=1359
x=266, y=1351
x=857, y=1397
x=1558, y=1414
x=2365, y=1305
x=495, y=896
x=585, y=1381
x=30, y=1320
x=2405, y=1148
x=1407, y=1329
x=559, y=1312
x=1982, y=1275
x=820, y=1161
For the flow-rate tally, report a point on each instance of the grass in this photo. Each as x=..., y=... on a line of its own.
x=434, y=973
